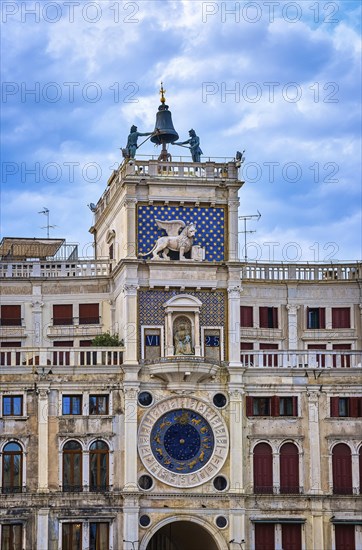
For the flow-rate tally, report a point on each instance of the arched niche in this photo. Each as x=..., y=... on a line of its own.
x=182, y=323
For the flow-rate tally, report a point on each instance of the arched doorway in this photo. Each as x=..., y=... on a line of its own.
x=182, y=535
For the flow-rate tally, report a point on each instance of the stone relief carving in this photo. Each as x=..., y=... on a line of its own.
x=173, y=241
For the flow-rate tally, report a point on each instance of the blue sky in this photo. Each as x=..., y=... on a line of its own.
x=278, y=79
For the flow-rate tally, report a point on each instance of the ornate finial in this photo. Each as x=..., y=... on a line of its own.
x=162, y=92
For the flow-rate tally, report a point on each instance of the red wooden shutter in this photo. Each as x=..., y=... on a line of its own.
x=341, y=317
x=334, y=406
x=263, y=469
x=322, y=317
x=62, y=314
x=353, y=406
x=295, y=405
x=289, y=469
x=249, y=406
x=342, y=469
x=246, y=316
x=291, y=536
x=275, y=406
x=264, y=536
x=88, y=314
x=345, y=537
x=10, y=316
x=275, y=317
x=263, y=317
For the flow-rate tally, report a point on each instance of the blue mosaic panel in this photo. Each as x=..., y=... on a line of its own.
x=210, y=227
x=151, y=310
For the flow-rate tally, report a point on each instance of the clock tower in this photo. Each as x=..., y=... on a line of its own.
x=170, y=228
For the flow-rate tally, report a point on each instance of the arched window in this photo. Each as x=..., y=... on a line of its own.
x=12, y=468
x=98, y=466
x=342, y=469
x=72, y=466
x=289, y=468
x=263, y=468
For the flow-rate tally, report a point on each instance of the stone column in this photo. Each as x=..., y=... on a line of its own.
x=237, y=526
x=314, y=442
x=37, y=324
x=130, y=435
x=292, y=326
x=130, y=523
x=236, y=438
x=131, y=246
x=42, y=542
x=233, y=226
x=43, y=411
x=130, y=333
x=317, y=526
x=234, y=325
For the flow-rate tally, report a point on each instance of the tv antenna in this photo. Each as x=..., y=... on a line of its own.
x=46, y=212
x=246, y=219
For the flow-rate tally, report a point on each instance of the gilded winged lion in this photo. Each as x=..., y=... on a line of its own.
x=173, y=241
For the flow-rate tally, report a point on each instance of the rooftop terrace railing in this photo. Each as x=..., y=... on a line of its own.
x=302, y=272
x=53, y=269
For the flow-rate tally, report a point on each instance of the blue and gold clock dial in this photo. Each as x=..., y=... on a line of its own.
x=182, y=441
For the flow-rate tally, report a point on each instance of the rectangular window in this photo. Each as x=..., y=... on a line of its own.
x=264, y=536
x=72, y=404
x=261, y=406
x=246, y=358
x=288, y=406
x=268, y=317
x=345, y=537
x=5, y=356
x=10, y=316
x=341, y=317
x=12, y=537
x=269, y=359
x=98, y=404
x=246, y=316
x=71, y=536
x=88, y=314
x=341, y=359
x=319, y=357
x=346, y=407
x=13, y=405
x=99, y=536
x=272, y=406
x=316, y=317
x=62, y=314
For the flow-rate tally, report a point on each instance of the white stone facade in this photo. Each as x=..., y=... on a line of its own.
x=263, y=352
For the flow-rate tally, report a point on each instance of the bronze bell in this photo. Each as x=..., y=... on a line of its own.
x=165, y=132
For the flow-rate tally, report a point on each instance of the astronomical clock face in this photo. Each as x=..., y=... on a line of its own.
x=183, y=442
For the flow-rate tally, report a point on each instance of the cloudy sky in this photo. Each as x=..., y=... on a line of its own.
x=278, y=79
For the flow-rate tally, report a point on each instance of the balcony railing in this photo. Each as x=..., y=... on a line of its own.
x=60, y=357
x=302, y=359
x=52, y=269
x=302, y=272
